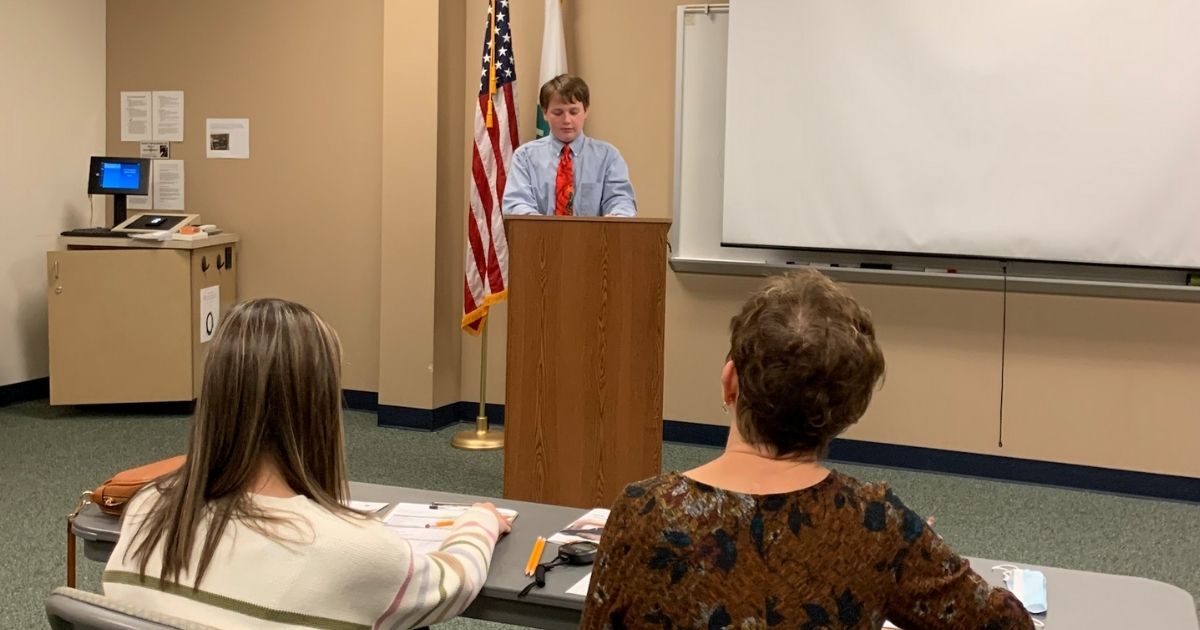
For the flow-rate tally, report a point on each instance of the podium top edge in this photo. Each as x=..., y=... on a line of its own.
x=541, y=217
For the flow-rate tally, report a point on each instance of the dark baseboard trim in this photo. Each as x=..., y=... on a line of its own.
x=36, y=389
x=416, y=418
x=998, y=467
x=468, y=411
x=975, y=465
x=1077, y=476
x=694, y=433
x=359, y=400
x=422, y=419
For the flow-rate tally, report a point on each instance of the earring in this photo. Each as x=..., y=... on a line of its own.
x=725, y=407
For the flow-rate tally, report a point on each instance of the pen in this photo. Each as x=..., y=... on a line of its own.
x=433, y=505
x=445, y=523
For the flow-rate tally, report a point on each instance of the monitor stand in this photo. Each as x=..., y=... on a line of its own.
x=119, y=210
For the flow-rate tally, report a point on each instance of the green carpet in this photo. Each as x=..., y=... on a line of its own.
x=49, y=455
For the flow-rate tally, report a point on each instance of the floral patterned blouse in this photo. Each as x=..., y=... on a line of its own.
x=677, y=553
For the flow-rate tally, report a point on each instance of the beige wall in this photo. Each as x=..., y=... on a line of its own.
x=409, y=209
x=453, y=106
x=308, y=75
x=423, y=203
x=51, y=122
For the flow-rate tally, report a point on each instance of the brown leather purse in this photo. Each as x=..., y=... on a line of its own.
x=112, y=495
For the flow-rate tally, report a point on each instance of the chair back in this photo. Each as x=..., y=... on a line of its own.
x=72, y=609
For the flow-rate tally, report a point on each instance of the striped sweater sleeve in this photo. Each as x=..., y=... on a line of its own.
x=437, y=586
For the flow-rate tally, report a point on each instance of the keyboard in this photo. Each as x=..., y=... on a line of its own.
x=96, y=231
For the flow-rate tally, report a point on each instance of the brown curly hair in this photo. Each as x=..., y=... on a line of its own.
x=569, y=88
x=806, y=362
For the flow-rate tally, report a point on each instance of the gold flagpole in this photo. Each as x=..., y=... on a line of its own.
x=491, y=64
x=481, y=438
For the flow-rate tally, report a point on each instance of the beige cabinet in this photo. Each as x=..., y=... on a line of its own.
x=125, y=318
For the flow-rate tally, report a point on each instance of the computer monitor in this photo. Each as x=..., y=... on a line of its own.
x=119, y=176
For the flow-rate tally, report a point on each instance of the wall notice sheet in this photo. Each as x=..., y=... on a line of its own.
x=166, y=112
x=167, y=184
x=227, y=138
x=135, y=116
x=140, y=202
x=210, y=311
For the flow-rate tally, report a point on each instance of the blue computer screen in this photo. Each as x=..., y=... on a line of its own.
x=120, y=175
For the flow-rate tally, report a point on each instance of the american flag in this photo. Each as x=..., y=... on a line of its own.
x=486, y=280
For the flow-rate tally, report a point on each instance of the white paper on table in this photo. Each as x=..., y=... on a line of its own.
x=160, y=235
x=581, y=587
x=418, y=515
x=588, y=527
x=366, y=506
x=410, y=519
x=227, y=138
x=210, y=311
x=135, y=116
x=166, y=112
x=166, y=183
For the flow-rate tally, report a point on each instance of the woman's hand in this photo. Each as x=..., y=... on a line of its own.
x=505, y=526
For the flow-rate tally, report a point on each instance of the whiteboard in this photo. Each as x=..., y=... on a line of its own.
x=971, y=128
x=700, y=101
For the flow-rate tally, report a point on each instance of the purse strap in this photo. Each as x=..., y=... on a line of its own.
x=84, y=499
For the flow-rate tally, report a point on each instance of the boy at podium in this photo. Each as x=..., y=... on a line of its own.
x=567, y=173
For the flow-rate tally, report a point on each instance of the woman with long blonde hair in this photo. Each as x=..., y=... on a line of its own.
x=253, y=530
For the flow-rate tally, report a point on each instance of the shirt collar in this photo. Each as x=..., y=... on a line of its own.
x=576, y=144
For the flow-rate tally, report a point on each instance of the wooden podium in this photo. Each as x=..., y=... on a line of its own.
x=583, y=404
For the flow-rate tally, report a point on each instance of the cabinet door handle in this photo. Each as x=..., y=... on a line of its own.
x=220, y=263
x=56, y=270
x=204, y=263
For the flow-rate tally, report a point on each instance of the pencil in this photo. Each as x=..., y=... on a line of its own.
x=535, y=556
x=446, y=523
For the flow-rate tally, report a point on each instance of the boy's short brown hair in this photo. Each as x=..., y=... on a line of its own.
x=806, y=361
x=568, y=87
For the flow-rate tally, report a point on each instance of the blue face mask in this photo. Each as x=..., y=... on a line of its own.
x=1029, y=586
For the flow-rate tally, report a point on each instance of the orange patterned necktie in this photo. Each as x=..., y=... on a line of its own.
x=564, y=184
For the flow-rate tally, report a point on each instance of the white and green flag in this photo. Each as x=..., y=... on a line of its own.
x=554, y=54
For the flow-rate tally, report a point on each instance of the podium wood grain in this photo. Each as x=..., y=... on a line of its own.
x=583, y=407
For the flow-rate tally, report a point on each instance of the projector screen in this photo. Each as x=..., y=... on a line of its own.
x=1066, y=130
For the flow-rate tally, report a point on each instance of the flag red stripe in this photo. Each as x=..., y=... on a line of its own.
x=469, y=304
x=510, y=101
x=494, y=279
x=483, y=190
x=476, y=248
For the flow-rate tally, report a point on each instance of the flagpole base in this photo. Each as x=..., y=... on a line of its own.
x=476, y=440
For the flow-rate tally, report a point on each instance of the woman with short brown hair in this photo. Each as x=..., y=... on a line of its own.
x=765, y=535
